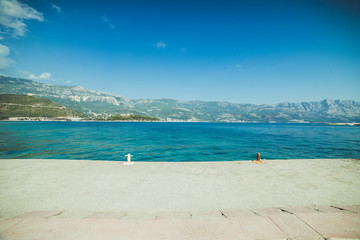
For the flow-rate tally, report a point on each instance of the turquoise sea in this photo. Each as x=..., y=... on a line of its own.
x=176, y=142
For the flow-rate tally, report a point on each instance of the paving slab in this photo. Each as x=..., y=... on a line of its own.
x=294, y=227
x=39, y=214
x=256, y=227
x=344, y=238
x=107, y=215
x=81, y=229
x=140, y=216
x=333, y=225
x=177, y=225
x=173, y=215
x=216, y=214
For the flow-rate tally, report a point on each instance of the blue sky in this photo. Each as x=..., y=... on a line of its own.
x=257, y=51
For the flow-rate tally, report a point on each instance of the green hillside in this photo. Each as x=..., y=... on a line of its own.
x=12, y=105
x=132, y=118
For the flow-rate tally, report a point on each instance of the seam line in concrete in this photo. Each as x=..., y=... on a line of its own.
x=342, y=209
x=256, y=213
x=303, y=222
x=55, y=215
x=223, y=214
x=276, y=224
x=310, y=226
x=14, y=225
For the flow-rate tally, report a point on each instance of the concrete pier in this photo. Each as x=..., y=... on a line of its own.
x=279, y=199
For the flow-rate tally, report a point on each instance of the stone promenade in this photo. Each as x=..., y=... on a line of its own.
x=280, y=199
x=317, y=222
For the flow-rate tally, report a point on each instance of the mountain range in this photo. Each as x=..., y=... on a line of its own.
x=96, y=103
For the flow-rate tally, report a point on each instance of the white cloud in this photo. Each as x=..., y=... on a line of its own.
x=13, y=14
x=5, y=61
x=238, y=66
x=68, y=81
x=56, y=8
x=107, y=22
x=161, y=44
x=43, y=76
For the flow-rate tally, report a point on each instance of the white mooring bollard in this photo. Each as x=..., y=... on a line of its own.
x=128, y=159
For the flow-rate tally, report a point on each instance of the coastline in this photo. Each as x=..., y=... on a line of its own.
x=124, y=121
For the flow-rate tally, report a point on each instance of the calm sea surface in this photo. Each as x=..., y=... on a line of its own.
x=176, y=141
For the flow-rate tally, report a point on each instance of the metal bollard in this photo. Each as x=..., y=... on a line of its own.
x=128, y=159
